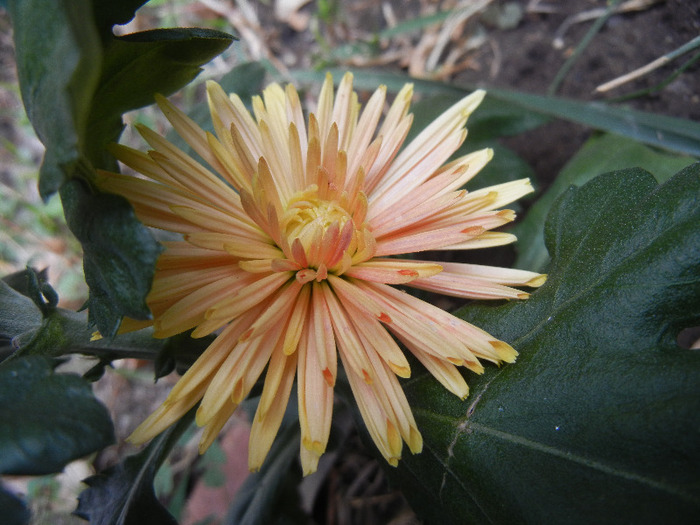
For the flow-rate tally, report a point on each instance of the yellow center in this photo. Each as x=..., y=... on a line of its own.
x=308, y=218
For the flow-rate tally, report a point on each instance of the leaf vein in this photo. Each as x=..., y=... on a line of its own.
x=584, y=461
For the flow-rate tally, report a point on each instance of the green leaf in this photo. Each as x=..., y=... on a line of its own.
x=119, y=255
x=124, y=494
x=600, y=154
x=258, y=498
x=597, y=420
x=137, y=66
x=58, y=63
x=674, y=134
x=76, y=81
x=27, y=330
x=12, y=509
x=49, y=419
x=19, y=319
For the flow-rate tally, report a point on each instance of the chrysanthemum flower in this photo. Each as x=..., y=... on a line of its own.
x=288, y=247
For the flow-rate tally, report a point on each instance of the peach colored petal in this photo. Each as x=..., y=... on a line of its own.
x=189, y=130
x=278, y=309
x=375, y=419
x=237, y=374
x=322, y=330
x=297, y=321
x=350, y=346
x=151, y=201
x=253, y=294
x=214, y=220
x=413, y=242
x=364, y=131
x=182, y=255
x=483, y=240
x=444, y=371
x=393, y=399
x=142, y=163
x=215, y=425
x=273, y=402
x=393, y=271
x=479, y=282
x=315, y=397
x=170, y=284
x=284, y=247
x=446, y=129
x=190, y=311
x=295, y=116
x=229, y=113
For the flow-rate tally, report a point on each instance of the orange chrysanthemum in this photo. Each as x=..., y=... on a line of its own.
x=287, y=250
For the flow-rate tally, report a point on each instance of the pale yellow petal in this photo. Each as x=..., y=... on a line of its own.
x=271, y=408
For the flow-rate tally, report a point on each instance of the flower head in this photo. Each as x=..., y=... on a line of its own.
x=286, y=252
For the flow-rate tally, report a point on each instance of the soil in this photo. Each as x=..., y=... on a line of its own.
x=527, y=60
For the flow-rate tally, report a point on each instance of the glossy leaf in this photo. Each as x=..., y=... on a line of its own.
x=124, y=494
x=138, y=65
x=119, y=255
x=600, y=154
x=49, y=419
x=19, y=319
x=58, y=63
x=259, y=498
x=597, y=420
x=76, y=80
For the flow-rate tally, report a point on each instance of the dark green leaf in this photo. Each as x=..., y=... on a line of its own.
x=75, y=87
x=261, y=492
x=124, y=494
x=137, y=66
x=48, y=419
x=12, y=509
x=19, y=280
x=58, y=62
x=597, y=421
x=119, y=255
x=19, y=319
x=600, y=154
